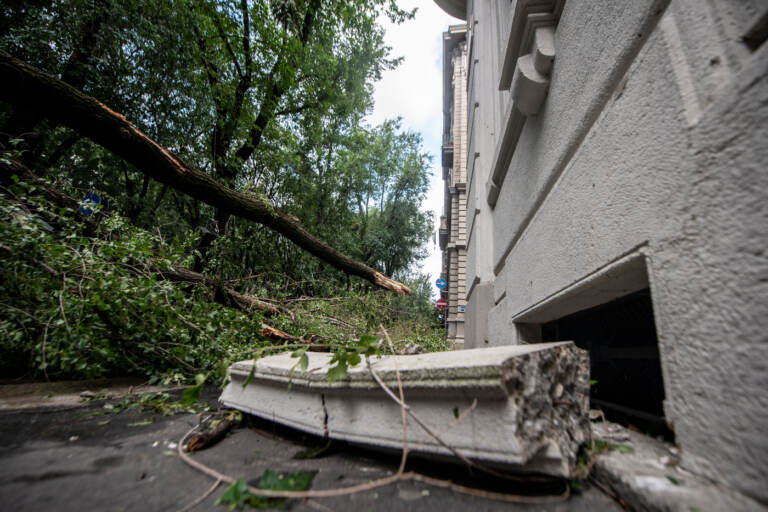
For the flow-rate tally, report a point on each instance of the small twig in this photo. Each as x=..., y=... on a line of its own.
x=608, y=491
x=83, y=275
x=201, y=498
x=403, y=412
x=498, y=496
x=439, y=439
x=329, y=493
x=61, y=300
x=177, y=358
x=45, y=338
x=463, y=414
x=345, y=491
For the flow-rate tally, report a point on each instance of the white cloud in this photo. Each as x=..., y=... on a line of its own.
x=414, y=91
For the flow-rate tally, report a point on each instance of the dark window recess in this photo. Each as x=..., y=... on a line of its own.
x=624, y=354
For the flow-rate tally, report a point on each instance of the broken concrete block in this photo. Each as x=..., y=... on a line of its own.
x=531, y=409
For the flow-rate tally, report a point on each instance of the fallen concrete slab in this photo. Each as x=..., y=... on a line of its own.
x=528, y=405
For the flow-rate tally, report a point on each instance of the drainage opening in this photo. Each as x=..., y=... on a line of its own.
x=624, y=355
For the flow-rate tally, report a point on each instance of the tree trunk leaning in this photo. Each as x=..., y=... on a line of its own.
x=27, y=87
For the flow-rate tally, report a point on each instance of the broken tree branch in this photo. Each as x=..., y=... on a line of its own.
x=25, y=86
x=203, y=440
x=177, y=274
x=240, y=301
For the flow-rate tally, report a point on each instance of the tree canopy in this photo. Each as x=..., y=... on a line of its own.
x=266, y=99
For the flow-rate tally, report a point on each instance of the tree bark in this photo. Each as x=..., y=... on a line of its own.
x=240, y=301
x=25, y=86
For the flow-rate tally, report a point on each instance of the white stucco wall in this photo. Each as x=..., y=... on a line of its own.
x=653, y=141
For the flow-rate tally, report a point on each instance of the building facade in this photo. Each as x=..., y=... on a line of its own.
x=453, y=223
x=617, y=195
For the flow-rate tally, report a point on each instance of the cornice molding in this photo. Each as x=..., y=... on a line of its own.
x=529, y=15
x=528, y=63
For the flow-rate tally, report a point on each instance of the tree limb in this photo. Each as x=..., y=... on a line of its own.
x=27, y=87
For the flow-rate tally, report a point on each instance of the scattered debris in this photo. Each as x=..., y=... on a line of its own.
x=644, y=473
x=141, y=423
x=219, y=429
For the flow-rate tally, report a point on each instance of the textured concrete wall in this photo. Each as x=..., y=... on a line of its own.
x=650, y=147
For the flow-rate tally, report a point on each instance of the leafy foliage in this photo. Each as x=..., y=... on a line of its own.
x=267, y=97
x=237, y=494
x=158, y=403
x=79, y=306
x=88, y=306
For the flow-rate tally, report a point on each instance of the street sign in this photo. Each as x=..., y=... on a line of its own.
x=440, y=283
x=441, y=304
x=462, y=308
x=88, y=204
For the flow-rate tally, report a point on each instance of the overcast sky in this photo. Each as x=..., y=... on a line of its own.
x=414, y=91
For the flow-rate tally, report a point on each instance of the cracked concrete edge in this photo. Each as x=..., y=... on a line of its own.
x=530, y=425
x=650, y=478
x=477, y=368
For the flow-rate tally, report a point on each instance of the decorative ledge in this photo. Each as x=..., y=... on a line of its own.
x=529, y=84
x=530, y=413
x=528, y=16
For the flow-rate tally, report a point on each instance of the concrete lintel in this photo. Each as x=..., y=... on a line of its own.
x=531, y=412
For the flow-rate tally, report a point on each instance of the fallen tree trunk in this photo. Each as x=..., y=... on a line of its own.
x=25, y=86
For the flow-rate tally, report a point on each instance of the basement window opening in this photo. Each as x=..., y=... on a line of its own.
x=625, y=366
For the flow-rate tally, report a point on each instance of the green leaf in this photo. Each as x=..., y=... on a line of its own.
x=337, y=372
x=191, y=395
x=141, y=423
x=674, y=480
x=622, y=448
x=353, y=359
x=367, y=341
x=303, y=363
x=313, y=453
x=236, y=495
x=274, y=481
x=250, y=376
